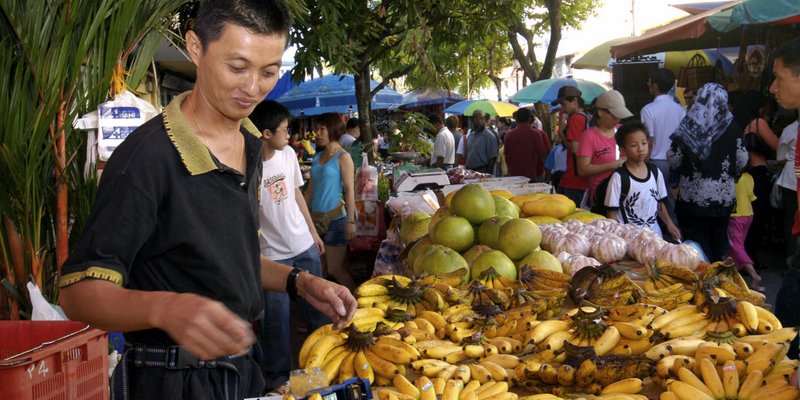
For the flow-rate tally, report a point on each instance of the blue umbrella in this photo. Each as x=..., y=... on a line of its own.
x=547, y=90
x=284, y=85
x=333, y=93
x=426, y=97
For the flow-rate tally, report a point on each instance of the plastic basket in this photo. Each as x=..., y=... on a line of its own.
x=49, y=360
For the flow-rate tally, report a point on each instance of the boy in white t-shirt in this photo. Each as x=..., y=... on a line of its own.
x=286, y=234
x=646, y=191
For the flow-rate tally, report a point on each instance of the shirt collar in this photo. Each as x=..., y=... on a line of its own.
x=664, y=97
x=193, y=153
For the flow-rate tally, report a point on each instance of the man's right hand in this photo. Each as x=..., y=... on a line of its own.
x=204, y=327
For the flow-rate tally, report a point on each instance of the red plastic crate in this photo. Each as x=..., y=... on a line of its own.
x=52, y=360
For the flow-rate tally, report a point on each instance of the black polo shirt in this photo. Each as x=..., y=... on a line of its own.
x=170, y=217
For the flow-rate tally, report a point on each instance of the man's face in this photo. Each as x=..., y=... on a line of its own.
x=236, y=71
x=569, y=106
x=478, y=121
x=786, y=86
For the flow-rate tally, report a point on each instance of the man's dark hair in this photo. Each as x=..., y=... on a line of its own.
x=452, y=123
x=523, y=116
x=265, y=17
x=352, y=123
x=789, y=53
x=627, y=129
x=434, y=118
x=334, y=124
x=269, y=114
x=663, y=78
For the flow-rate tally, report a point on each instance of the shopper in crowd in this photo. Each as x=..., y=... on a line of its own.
x=598, y=155
x=661, y=117
x=383, y=141
x=637, y=192
x=786, y=88
x=707, y=150
x=523, y=148
x=444, y=149
x=481, y=145
x=761, y=144
x=574, y=122
x=452, y=125
x=556, y=163
x=351, y=133
x=286, y=234
x=170, y=252
x=739, y=223
x=331, y=196
x=788, y=183
x=689, y=95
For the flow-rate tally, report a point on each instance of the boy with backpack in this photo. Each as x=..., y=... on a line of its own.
x=635, y=193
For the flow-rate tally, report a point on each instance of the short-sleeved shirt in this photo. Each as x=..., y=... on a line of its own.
x=444, y=146
x=640, y=206
x=600, y=150
x=576, y=124
x=481, y=147
x=661, y=117
x=525, y=152
x=169, y=216
x=283, y=231
x=744, y=196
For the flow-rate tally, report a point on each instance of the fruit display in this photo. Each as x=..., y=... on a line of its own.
x=498, y=303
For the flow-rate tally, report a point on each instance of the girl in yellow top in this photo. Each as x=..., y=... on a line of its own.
x=739, y=223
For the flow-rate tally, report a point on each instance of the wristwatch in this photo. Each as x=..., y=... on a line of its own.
x=291, y=283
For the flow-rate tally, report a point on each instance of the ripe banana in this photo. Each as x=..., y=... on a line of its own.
x=730, y=379
x=405, y=386
x=322, y=348
x=682, y=346
x=380, y=366
x=566, y=375
x=463, y=373
x=480, y=373
x=585, y=373
x=630, y=330
x=333, y=365
x=711, y=378
x=607, y=340
x=452, y=389
x=625, y=386
x=687, y=376
x=371, y=289
x=426, y=389
x=768, y=316
x=392, y=353
x=747, y=314
x=545, y=329
x=556, y=340
x=498, y=373
x=310, y=341
x=362, y=368
x=401, y=344
x=685, y=391
x=671, y=363
x=504, y=360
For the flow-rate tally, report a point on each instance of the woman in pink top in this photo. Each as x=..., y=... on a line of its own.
x=597, y=152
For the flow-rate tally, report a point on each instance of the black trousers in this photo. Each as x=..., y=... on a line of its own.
x=762, y=185
x=787, y=301
x=711, y=233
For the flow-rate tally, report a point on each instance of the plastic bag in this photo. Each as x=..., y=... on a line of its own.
x=366, y=181
x=386, y=262
x=408, y=202
x=42, y=309
x=116, y=119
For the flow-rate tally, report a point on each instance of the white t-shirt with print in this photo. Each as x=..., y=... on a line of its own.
x=640, y=206
x=283, y=232
x=444, y=146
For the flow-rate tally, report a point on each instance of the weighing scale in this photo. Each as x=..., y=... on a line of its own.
x=429, y=178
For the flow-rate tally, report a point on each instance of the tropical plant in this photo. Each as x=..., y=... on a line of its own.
x=59, y=60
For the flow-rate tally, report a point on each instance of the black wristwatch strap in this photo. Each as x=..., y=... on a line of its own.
x=291, y=283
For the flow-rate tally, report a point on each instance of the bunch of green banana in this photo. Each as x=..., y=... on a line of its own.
x=724, y=280
x=399, y=292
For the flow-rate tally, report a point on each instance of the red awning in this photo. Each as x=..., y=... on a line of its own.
x=691, y=27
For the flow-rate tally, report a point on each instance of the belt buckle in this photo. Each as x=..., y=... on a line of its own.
x=179, y=358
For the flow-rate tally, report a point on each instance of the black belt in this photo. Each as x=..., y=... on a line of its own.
x=171, y=358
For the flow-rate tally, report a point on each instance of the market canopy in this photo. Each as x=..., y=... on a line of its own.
x=284, y=85
x=717, y=27
x=546, y=90
x=334, y=93
x=427, y=96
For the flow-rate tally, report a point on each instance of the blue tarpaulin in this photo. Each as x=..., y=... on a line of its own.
x=334, y=93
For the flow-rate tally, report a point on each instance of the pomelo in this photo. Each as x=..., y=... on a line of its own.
x=438, y=215
x=518, y=237
x=493, y=259
x=474, y=251
x=489, y=230
x=453, y=232
x=413, y=229
x=504, y=207
x=418, y=248
x=541, y=259
x=440, y=260
x=474, y=203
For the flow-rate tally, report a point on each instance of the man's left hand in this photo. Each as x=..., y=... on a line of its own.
x=333, y=300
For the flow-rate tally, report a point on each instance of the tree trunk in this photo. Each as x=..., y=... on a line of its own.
x=363, y=99
x=498, y=83
x=554, y=13
x=62, y=242
x=527, y=59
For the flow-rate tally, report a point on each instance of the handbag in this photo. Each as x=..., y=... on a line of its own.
x=322, y=220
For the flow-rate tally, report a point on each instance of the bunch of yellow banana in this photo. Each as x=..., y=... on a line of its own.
x=425, y=388
x=724, y=280
x=669, y=285
x=754, y=319
x=484, y=300
x=633, y=323
x=515, y=324
x=545, y=303
x=604, y=375
x=727, y=382
x=399, y=292
x=608, y=396
x=540, y=278
x=588, y=329
x=493, y=280
x=686, y=320
x=356, y=353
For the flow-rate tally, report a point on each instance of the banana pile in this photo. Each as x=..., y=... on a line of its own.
x=606, y=396
x=397, y=292
x=633, y=324
x=723, y=279
x=425, y=388
x=669, y=285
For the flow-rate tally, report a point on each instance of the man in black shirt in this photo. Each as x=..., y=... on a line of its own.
x=170, y=254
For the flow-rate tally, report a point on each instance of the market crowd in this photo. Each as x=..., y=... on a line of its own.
x=170, y=256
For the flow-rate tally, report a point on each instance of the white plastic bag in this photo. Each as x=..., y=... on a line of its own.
x=366, y=181
x=42, y=309
x=116, y=119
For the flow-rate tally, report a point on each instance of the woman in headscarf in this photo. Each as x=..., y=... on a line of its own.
x=707, y=150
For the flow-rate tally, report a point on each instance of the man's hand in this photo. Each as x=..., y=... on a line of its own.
x=204, y=327
x=333, y=300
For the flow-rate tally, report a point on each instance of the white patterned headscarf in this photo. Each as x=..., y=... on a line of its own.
x=706, y=121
